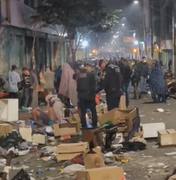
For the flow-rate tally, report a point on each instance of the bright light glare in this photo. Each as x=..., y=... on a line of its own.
x=84, y=43
x=136, y=42
x=123, y=24
x=136, y=2
x=115, y=37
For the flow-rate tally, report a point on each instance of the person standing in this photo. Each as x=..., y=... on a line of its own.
x=126, y=73
x=111, y=82
x=58, y=74
x=135, y=80
x=86, y=94
x=144, y=73
x=170, y=65
x=157, y=83
x=49, y=81
x=28, y=85
x=13, y=82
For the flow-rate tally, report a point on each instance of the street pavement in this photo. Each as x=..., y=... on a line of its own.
x=151, y=163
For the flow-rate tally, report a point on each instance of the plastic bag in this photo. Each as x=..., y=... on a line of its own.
x=22, y=175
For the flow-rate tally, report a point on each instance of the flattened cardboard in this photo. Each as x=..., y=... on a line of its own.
x=103, y=173
x=94, y=159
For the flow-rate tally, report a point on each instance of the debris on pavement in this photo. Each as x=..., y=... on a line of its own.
x=170, y=154
x=160, y=110
x=41, y=154
x=73, y=168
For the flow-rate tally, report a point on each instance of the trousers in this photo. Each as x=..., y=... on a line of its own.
x=112, y=102
x=27, y=97
x=84, y=105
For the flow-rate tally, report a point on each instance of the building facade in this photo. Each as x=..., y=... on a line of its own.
x=17, y=35
x=161, y=19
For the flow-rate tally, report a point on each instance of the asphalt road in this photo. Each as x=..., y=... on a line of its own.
x=148, y=164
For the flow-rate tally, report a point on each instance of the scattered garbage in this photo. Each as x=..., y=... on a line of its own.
x=70, y=156
x=20, y=167
x=3, y=162
x=22, y=175
x=170, y=154
x=39, y=171
x=51, y=169
x=160, y=110
x=73, y=168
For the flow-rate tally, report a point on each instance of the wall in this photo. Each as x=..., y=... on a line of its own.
x=20, y=16
x=17, y=37
x=16, y=48
x=3, y=50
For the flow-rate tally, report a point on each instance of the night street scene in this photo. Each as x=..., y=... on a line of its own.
x=87, y=90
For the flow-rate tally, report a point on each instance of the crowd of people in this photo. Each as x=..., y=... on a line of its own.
x=77, y=84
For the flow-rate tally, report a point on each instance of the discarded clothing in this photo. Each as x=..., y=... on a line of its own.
x=133, y=146
x=22, y=175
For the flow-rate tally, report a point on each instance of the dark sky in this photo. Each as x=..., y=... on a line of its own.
x=114, y=4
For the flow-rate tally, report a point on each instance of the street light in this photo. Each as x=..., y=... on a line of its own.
x=136, y=2
x=136, y=42
x=84, y=44
x=123, y=24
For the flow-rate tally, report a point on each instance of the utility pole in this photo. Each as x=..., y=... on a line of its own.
x=174, y=38
x=144, y=27
x=151, y=26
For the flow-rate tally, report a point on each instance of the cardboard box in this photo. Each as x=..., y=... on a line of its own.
x=71, y=150
x=77, y=119
x=5, y=129
x=98, y=108
x=167, y=137
x=89, y=135
x=39, y=139
x=172, y=177
x=105, y=109
x=9, y=110
x=117, y=116
x=94, y=159
x=26, y=133
x=65, y=129
x=103, y=173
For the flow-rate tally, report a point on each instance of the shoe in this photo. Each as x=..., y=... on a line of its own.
x=23, y=108
x=89, y=126
x=29, y=108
